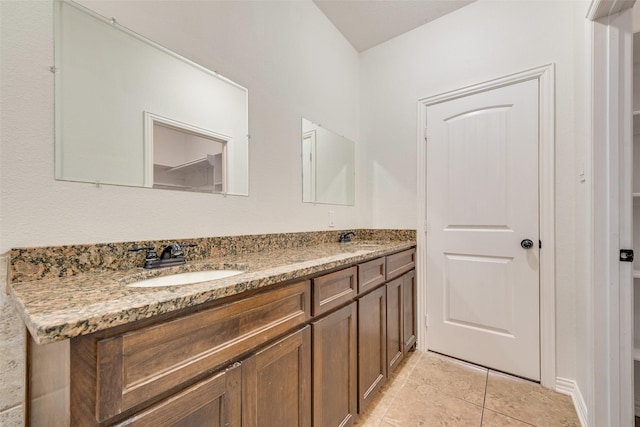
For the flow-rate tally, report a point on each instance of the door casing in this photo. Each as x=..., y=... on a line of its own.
x=546, y=102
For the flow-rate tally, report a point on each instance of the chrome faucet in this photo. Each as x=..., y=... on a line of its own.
x=170, y=256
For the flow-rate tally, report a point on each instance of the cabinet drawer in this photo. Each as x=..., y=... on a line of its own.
x=400, y=263
x=137, y=366
x=334, y=289
x=371, y=274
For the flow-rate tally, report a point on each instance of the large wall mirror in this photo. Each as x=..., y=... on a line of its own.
x=130, y=112
x=328, y=166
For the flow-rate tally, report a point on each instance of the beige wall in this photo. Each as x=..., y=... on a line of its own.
x=288, y=55
x=480, y=42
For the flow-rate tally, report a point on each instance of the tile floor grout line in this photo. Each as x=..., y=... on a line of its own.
x=484, y=397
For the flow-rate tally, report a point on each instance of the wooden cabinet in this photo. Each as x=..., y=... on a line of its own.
x=270, y=388
x=312, y=352
x=118, y=374
x=214, y=402
x=372, y=345
x=334, y=368
x=276, y=385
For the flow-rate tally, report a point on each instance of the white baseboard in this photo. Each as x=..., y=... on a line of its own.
x=570, y=387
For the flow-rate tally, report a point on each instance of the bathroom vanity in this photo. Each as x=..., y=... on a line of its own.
x=305, y=336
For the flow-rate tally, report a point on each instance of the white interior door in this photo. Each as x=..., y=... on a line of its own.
x=482, y=205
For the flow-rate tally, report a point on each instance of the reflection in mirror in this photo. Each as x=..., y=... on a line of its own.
x=328, y=166
x=108, y=78
x=185, y=158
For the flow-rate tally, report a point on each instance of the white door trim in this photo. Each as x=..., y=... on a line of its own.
x=610, y=358
x=545, y=76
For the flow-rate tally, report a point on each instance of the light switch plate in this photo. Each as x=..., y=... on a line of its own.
x=332, y=219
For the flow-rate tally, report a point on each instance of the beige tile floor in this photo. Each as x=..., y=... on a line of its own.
x=432, y=390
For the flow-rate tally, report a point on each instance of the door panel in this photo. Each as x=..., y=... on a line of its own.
x=482, y=201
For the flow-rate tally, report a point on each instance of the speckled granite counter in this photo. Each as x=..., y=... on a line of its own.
x=55, y=309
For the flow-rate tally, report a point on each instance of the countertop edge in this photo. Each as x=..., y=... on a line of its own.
x=63, y=324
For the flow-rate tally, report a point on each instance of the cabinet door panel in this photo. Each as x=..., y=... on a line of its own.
x=334, y=368
x=395, y=319
x=409, y=309
x=276, y=386
x=212, y=402
x=372, y=345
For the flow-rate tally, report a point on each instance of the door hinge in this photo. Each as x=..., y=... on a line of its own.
x=425, y=134
x=426, y=320
x=626, y=255
x=539, y=244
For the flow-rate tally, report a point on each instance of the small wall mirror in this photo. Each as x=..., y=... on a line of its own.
x=328, y=166
x=130, y=112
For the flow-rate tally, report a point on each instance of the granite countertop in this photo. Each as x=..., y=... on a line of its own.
x=62, y=308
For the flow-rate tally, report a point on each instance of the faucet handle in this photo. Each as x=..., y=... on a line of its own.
x=151, y=251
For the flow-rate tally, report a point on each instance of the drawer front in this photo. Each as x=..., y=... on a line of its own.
x=137, y=366
x=400, y=263
x=334, y=289
x=371, y=274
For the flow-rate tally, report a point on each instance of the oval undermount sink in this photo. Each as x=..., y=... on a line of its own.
x=185, y=278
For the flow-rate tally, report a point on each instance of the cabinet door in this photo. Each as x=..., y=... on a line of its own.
x=395, y=319
x=276, y=387
x=409, y=309
x=212, y=402
x=334, y=368
x=372, y=345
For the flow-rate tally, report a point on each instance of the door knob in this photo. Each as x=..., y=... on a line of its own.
x=527, y=243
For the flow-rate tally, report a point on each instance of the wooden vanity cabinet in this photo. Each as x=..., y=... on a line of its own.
x=334, y=368
x=372, y=345
x=302, y=354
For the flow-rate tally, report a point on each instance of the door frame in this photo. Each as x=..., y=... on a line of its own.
x=610, y=313
x=546, y=176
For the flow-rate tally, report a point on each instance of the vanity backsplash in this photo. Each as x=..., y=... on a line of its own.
x=27, y=264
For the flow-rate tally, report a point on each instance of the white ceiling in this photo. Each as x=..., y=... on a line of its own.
x=366, y=23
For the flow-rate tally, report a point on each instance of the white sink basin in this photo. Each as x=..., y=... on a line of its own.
x=185, y=278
